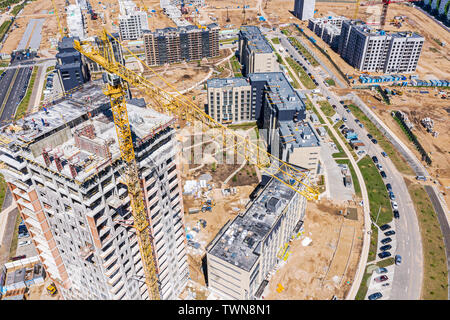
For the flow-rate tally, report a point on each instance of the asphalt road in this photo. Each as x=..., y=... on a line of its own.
x=407, y=282
x=18, y=90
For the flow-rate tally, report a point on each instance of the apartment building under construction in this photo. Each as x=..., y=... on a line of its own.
x=64, y=169
x=242, y=256
x=170, y=45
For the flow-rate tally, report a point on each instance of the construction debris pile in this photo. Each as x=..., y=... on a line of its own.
x=428, y=124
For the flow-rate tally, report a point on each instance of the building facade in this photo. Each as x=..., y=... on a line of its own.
x=230, y=100
x=132, y=22
x=170, y=45
x=367, y=49
x=328, y=29
x=66, y=177
x=71, y=65
x=304, y=9
x=247, y=249
x=255, y=53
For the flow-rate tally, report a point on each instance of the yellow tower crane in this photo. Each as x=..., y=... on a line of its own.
x=62, y=32
x=118, y=76
x=355, y=14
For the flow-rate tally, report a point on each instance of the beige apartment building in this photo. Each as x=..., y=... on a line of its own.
x=246, y=250
x=230, y=100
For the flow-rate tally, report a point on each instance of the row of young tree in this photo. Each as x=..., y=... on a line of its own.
x=435, y=12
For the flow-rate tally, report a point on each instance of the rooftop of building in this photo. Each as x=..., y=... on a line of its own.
x=298, y=134
x=57, y=129
x=241, y=241
x=182, y=29
x=255, y=39
x=279, y=90
x=368, y=30
x=226, y=82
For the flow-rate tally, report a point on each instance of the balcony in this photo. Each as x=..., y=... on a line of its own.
x=25, y=204
x=100, y=220
x=115, y=278
x=104, y=254
x=110, y=261
x=116, y=290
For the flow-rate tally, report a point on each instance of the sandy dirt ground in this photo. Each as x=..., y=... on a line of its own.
x=34, y=10
x=326, y=266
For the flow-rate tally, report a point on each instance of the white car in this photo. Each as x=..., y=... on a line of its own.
x=24, y=243
x=394, y=205
x=379, y=166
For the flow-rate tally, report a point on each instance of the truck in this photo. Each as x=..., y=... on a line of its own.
x=51, y=289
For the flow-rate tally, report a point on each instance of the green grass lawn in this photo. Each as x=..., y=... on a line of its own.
x=236, y=66
x=330, y=81
x=341, y=153
x=2, y=190
x=327, y=108
x=275, y=41
x=303, y=76
x=373, y=243
x=435, y=284
x=386, y=262
x=353, y=173
x=336, y=127
x=23, y=106
x=376, y=189
x=395, y=156
x=5, y=25
x=305, y=52
x=362, y=291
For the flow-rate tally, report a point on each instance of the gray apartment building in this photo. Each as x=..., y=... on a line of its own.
x=64, y=169
x=247, y=248
x=328, y=29
x=170, y=45
x=255, y=52
x=304, y=9
x=368, y=49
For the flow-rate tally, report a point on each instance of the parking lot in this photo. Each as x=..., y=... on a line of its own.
x=384, y=287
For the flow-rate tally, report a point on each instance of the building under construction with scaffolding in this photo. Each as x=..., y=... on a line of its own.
x=243, y=255
x=64, y=169
x=170, y=45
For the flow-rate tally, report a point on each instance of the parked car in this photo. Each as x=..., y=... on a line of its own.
x=386, y=240
x=360, y=152
x=23, y=235
x=391, y=195
x=394, y=205
x=384, y=254
x=356, y=120
x=385, y=227
x=386, y=247
x=421, y=178
x=334, y=106
x=361, y=125
x=384, y=154
x=374, y=141
x=381, y=270
x=385, y=285
x=344, y=119
x=342, y=127
x=375, y=296
x=348, y=110
x=396, y=214
x=375, y=159
x=18, y=257
x=389, y=233
x=398, y=259
x=24, y=243
x=388, y=187
x=370, y=136
x=381, y=278
x=383, y=174
x=379, y=166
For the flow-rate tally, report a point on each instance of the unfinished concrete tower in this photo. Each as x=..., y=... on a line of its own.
x=66, y=176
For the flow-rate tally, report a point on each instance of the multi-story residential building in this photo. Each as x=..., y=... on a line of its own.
x=304, y=9
x=246, y=249
x=75, y=21
x=368, y=49
x=188, y=43
x=300, y=145
x=64, y=169
x=328, y=29
x=230, y=100
x=132, y=22
x=255, y=53
x=71, y=65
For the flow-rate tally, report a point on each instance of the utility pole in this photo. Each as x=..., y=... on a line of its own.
x=228, y=17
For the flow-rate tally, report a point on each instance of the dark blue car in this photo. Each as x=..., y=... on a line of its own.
x=375, y=296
